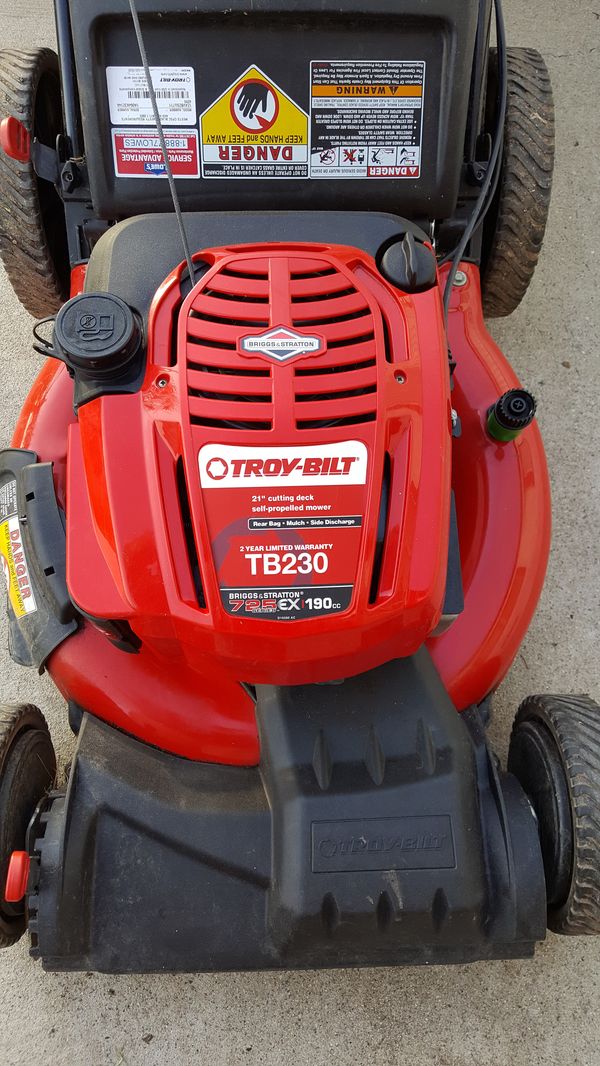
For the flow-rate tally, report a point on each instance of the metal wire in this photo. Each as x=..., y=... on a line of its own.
x=161, y=137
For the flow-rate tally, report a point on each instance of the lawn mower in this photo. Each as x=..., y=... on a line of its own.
x=275, y=517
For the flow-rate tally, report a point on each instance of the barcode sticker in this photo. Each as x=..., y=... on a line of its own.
x=160, y=94
x=129, y=98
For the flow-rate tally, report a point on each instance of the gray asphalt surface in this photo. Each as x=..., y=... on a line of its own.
x=522, y=1014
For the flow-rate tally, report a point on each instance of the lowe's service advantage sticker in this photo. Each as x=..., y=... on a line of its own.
x=138, y=154
x=285, y=526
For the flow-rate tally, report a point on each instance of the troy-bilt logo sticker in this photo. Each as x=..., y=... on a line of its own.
x=282, y=344
x=217, y=469
x=330, y=464
x=286, y=527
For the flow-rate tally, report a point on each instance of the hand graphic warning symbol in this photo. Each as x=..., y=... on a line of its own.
x=254, y=105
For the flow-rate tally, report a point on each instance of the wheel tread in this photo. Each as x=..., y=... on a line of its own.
x=14, y=721
x=574, y=722
x=526, y=181
x=24, y=249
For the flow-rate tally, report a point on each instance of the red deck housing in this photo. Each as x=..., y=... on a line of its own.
x=182, y=691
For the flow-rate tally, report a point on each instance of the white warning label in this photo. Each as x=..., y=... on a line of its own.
x=366, y=118
x=254, y=130
x=129, y=98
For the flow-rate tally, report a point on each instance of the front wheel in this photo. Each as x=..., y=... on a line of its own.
x=555, y=754
x=27, y=772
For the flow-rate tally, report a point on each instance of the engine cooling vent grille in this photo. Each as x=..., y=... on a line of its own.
x=228, y=390
x=339, y=389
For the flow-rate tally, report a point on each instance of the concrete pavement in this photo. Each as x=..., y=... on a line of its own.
x=523, y=1014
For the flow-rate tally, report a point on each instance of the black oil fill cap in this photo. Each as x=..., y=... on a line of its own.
x=409, y=265
x=98, y=336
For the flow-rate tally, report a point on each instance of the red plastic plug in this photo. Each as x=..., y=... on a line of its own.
x=17, y=877
x=14, y=139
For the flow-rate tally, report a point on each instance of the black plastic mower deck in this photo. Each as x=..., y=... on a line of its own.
x=375, y=831
x=154, y=240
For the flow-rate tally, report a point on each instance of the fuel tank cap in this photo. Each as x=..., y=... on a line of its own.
x=409, y=265
x=97, y=335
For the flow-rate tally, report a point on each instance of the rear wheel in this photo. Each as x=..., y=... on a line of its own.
x=555, y=754
x=33, y=238
x=516, y=222
x=27, y=772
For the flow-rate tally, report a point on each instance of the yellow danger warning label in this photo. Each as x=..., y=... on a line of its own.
x=12, y=554
x=254, y=130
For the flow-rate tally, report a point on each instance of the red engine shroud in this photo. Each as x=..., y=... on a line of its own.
x=129, y=558
x=328, y=429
